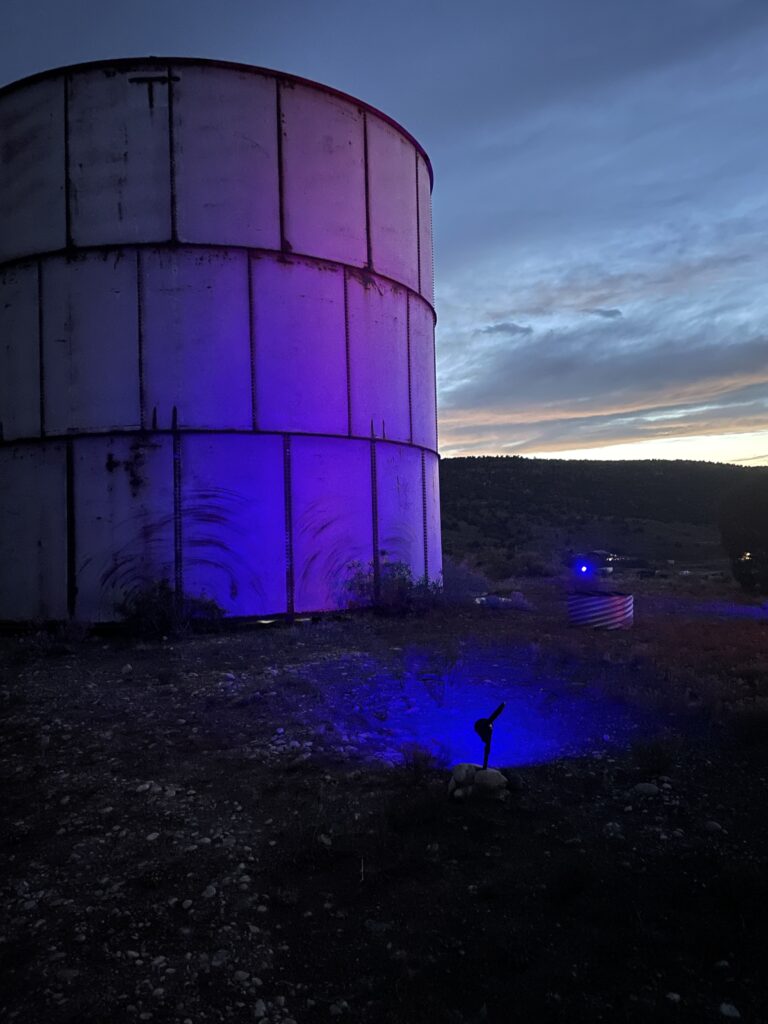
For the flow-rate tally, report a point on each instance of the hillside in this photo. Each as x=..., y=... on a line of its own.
x=516, y=516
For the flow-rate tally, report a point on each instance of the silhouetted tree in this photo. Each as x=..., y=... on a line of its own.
x=744, y=532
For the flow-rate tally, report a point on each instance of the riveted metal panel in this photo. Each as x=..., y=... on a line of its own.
x=432, y=516
x=300, y=346
x=196, y=338
x=119, y=156
x=90, y=343
x=422, y=354
x=32, y=179
x=233, y=522
x=426, y=270
x=146, y=335
x=323, y=175
x=19, y=353
x=225, y=149
x=392, y=203
x=378, y=358
x=399, y=495
x=332, y=518
x=33, y=538
x=123, y=512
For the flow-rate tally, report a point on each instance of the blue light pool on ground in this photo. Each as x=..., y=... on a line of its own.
x=385, y=710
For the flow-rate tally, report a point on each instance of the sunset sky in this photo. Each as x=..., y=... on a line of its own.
x=600, y=203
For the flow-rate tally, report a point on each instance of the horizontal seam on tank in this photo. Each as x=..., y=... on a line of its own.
x=169, y=246
x=206, y=432
x=202, y=62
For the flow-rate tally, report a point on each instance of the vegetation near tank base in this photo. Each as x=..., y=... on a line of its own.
x=157, y=610
x=394, y=590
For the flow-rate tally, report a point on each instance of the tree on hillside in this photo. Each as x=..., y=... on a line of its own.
x=744, y=532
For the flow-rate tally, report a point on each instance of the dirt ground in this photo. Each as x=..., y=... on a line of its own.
x=254, y=825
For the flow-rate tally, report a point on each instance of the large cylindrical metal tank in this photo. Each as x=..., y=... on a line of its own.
x=216, y=340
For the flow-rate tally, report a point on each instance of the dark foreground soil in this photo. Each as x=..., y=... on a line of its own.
x=241, y=827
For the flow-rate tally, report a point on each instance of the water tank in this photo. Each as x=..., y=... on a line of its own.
x=216, y=340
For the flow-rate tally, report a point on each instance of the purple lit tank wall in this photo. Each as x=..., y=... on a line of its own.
x=216, y=341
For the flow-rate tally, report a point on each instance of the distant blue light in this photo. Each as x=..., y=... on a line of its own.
x=583, y=568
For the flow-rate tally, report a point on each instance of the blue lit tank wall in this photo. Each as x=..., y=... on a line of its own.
x=216, y=341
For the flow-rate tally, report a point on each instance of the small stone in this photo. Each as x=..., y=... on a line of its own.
x=127, y=669
x=463, y=775
x=646, y=789
x=209, y=892
x=714, y=826
x=259, y=1009
x=490, y=780
x=469, y=779
x=241, y=975
x=673, y=997
x=730, y=1011
x=324, y=839
x=152, y=837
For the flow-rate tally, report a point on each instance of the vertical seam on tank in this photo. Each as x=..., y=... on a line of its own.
x=178, y=567
x=288, y=491
x=41, y=347
x=251, y=340
x=71, y=530
x=410, y=377
x=418, y=226
x=431, y=256
x=434, y=376
x=140, y=337
x=172, y=159
x=347, y=353
x=280, y=180
x=367, y=181
x=375, y=524
x=424, y=512
x=67, y=179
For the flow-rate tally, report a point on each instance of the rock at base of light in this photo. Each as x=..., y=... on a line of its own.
x=470, y=780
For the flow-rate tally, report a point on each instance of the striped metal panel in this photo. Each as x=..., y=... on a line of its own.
x=601, y=611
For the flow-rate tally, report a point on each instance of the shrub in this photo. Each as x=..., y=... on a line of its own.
x=744, y=532
x=157, y=611
x=394, y=590
x=461, y=585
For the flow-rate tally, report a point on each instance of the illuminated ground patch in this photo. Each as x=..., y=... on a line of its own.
x=382, y=710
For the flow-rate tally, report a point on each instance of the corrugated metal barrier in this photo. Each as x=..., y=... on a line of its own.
x=601, y=611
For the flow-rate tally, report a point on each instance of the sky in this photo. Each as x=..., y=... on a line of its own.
x=600, y=201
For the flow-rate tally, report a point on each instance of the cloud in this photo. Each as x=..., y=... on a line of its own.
x=507, y=328
x=488, y=435
x=606, y=314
